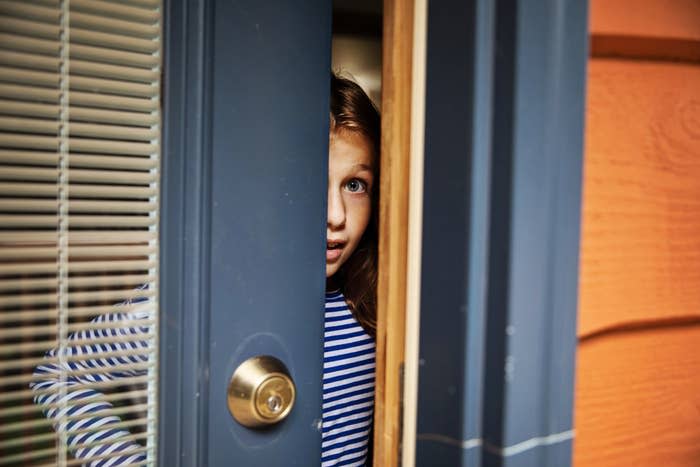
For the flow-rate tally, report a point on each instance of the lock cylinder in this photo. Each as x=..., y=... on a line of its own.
x=261, y=392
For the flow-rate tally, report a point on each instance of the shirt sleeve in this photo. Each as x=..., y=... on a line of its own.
x=116, y=349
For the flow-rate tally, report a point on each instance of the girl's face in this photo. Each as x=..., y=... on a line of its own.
x=350, y=181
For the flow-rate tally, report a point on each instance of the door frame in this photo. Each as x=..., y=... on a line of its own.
x=504, y=107
x=184, y=232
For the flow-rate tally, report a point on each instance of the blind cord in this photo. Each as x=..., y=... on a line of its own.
x=62, y=256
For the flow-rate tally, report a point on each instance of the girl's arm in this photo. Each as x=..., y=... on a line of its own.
x=89, y=361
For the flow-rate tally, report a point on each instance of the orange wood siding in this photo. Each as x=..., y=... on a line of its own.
x=640, y=246
x=663, y=19
x=639, y=399
x=638, y=368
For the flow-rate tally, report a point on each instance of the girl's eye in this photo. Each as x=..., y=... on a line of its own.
x=356, y=186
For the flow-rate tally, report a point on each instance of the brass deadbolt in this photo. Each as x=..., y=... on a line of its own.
x=260, y=392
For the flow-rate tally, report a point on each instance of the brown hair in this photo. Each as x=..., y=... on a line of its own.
x=353, y=111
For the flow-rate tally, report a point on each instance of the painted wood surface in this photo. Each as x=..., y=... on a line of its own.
x=638, y=389
x=393, y=228
x=640, y=247
x=678, y=19
x=663, y=30
x=639, y=399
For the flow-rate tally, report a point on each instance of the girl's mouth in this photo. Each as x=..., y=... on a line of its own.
x=333, y=250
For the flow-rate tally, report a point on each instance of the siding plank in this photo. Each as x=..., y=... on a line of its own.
x=646, y=29
x=638, y=399
x=640, y=250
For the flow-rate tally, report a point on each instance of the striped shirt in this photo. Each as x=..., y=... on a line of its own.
x=348, y=386
x=93, y=428
x=92, y=425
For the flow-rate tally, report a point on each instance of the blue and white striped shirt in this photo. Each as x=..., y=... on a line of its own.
x=93, y=427
x=348, y=386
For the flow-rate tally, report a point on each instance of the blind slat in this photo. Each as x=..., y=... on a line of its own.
x=109, y=147
x=27, y=284
x=18, y=253
x=50, y=3
x=28, y=125
x=86, y=266
x=29, y=93
x=79, y=83
x=134, y=207
x=34, y=315
x=77, y=160
x=91, y=191
x=116, y=41
x=80, y=237
x=38, y=454
x=110, y=131
x=43, y=205
x=24, y=299
x=29, y=44
x=9, y=156
x=114, y=25
x=26, y=379
x=105, y=70
x=23, y=9
x=28, y=408
x=33, y=424
x=78, y=175
x=25, y=440
x=29, y=331
x=22, y=26
x=47, y=437
x=104, y=55
x=152, y=4
x=28, y=109
x=103, y=8
x=27, y=456
x=44, y=220
x=27, y=60
x=71, y=462
x=113, y=116
x=34, y=174
x=35, y=78
x=110, y=86
x=113, y=102
x=31, y=205
x=30, y=363
x=44, y=345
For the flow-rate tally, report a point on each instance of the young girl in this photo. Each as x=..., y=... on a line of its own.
x=93, y=428
x=351, y=274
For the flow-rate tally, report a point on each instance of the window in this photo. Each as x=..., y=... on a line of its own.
x=79, y=174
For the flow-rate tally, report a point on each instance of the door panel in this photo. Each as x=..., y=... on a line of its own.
x=243, y=228
x=268, y=207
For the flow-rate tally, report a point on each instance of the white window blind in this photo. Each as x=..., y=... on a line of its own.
x=79, y=183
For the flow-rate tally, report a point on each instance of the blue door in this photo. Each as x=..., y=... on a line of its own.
x=243, y=229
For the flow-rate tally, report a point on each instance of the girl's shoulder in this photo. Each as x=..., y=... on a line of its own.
x=335, y=297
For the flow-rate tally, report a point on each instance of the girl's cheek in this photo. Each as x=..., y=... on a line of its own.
x=359, y=199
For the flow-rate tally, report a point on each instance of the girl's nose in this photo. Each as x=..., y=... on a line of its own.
x=336, y=209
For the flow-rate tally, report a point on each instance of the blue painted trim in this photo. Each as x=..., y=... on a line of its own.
x=184, y=233
x=455, y=231
x=540, y=71
x=503, y=166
